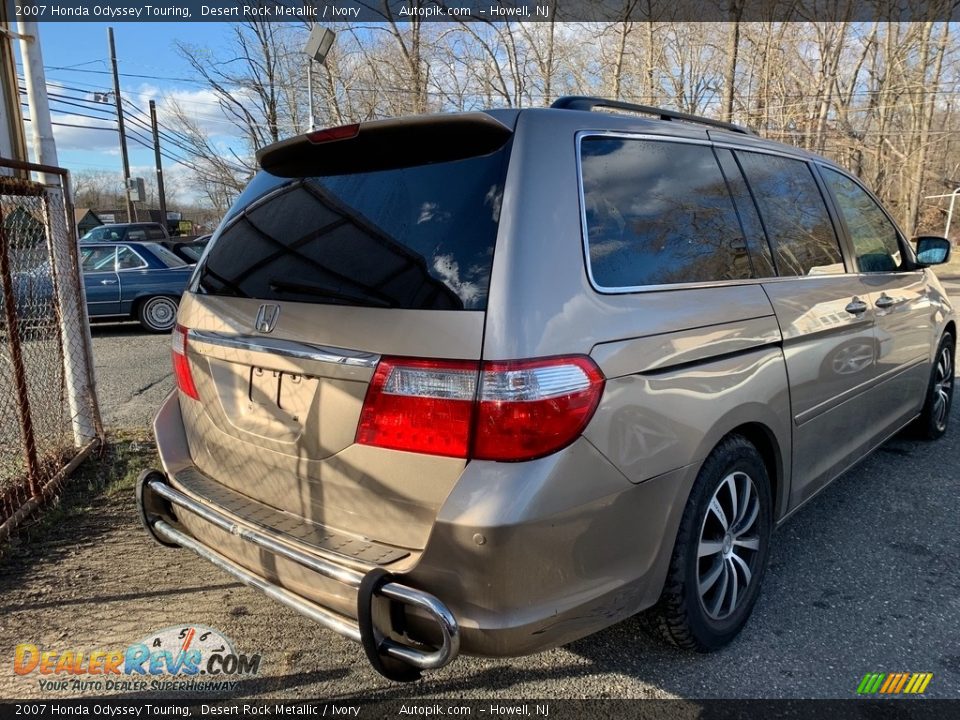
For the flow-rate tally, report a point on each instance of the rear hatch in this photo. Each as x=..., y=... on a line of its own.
x=352, y=245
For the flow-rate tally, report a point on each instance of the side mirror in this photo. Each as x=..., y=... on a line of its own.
x=932, y=250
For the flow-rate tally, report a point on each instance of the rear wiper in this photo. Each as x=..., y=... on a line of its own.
x=282, y=286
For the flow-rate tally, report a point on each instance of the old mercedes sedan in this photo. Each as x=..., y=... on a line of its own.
x=133, y=281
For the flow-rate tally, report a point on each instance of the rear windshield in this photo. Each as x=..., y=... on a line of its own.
x=416, y=237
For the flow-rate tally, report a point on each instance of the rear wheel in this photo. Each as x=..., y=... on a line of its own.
x=721, y=550
x=158, y=314
x=933, y=419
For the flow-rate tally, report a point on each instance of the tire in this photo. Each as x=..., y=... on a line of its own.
x=158, y=314
x=932, y=423
x=708, y=620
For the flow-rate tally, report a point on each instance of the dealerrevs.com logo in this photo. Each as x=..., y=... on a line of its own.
x=176, y=658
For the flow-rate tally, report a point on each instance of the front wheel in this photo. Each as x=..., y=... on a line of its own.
x=721, y=550
x=932, y=423
x=158, y=314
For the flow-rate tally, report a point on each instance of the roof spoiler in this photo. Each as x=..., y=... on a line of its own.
x=385, y=145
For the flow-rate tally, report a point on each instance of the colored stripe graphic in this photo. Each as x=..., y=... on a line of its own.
x=870, y=683
x=894, y=683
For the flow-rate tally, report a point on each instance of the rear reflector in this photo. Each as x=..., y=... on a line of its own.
x=506, y=411
x=181, y=365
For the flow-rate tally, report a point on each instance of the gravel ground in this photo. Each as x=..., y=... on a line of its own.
x=864, y=579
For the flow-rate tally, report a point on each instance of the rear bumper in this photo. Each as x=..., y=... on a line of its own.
x=521, y=558
x=160, y=505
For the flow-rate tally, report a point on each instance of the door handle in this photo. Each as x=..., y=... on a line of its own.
x=856, y=306
x=108, y=282
x=885, y=301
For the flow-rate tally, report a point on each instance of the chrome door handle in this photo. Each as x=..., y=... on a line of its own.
x=856, y=306
x=108, y=282
x=885, y=301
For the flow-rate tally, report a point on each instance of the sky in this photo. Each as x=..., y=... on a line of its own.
x=76, y=59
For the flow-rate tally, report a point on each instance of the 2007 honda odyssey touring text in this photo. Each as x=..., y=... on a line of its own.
x=489, y=382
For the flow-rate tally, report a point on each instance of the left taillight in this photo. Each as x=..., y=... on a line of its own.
x=181, y=365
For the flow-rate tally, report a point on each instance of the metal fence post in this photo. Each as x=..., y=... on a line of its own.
x=73, y=315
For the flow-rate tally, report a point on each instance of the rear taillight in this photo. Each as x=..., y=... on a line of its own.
x=420, y=405
x=523, y=409
x=532, y=408
x=181, y=366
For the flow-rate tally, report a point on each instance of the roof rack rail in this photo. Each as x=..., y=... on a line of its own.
x=583, y=102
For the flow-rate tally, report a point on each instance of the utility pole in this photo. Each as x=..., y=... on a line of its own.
x=13, y=143
x=131, y=210
x=74, y=325
x=156, y=150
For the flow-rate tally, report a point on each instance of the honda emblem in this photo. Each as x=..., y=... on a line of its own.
x=267, y=318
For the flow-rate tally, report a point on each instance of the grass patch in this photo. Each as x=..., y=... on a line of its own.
x=108, y=472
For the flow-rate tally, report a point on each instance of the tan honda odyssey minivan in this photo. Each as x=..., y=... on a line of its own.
x=489, y=382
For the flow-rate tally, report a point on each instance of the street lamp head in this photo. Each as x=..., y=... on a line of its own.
x=319, y=43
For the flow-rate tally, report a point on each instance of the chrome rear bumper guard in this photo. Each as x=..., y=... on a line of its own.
x=393, y=659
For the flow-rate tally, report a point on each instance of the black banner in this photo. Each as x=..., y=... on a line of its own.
x=333, y=11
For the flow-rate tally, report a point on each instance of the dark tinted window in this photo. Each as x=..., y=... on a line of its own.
x=875, y=238
x=760, y=254
x=657, y=213
x=417, y=237
x=794, y=214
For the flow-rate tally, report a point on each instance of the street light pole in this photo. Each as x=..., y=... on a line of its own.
x=313, y=119
x=953, y=199
x=318, y=47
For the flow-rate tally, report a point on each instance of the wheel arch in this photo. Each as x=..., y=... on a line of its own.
x=763, y=439
x=770, y=434
x=951, y=328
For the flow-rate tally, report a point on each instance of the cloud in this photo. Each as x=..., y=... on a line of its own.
x=77, y=132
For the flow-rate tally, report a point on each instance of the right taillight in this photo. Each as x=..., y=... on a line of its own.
x=507, y=411
x=181, y=366
x=531, y=408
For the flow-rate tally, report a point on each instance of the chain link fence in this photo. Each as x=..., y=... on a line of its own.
x=49, y=419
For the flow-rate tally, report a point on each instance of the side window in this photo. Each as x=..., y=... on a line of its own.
x=875, y=239
x=658, y=213
x=98, y=259
x=794, y=214
x=136, y=234
x=127, y=259
x=747, y=211
x=155, y=234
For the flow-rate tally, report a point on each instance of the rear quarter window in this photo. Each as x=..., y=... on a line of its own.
x=658, y=213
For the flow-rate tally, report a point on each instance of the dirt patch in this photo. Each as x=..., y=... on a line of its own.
x=86, y=577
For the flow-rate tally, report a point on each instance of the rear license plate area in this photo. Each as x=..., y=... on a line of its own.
x=290, y=393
